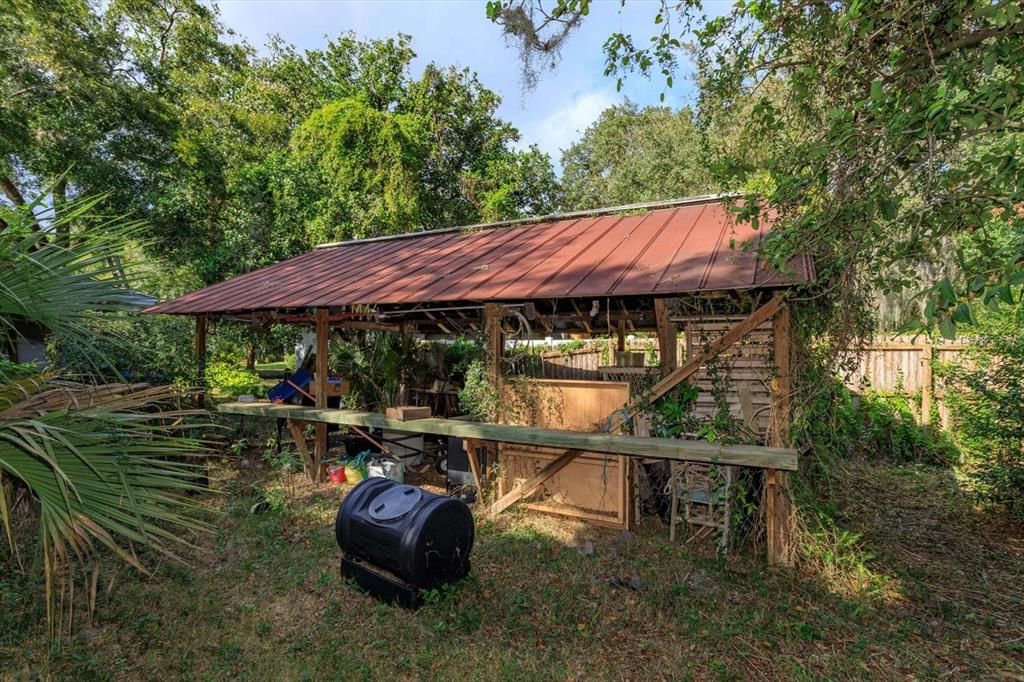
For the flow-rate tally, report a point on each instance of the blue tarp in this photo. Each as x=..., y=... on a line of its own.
x=285, y=390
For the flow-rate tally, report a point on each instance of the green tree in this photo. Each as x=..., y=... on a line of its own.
x=86, y=102
x=471, y=171
x=356, y=171
x=278, y=153
x=631, y=154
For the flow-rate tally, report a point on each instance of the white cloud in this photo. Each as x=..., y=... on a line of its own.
x=565, y=125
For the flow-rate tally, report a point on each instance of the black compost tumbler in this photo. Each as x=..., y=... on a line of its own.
x=399, y=539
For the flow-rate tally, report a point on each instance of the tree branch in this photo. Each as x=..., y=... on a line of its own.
x=12, y=191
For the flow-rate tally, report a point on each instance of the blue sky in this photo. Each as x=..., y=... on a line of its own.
x=458, y=32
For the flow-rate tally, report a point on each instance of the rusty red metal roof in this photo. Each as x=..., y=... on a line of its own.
x=690, y=247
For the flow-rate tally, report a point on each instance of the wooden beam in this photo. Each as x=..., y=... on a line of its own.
x=323, y=337
x=467, y=319
x=471, y=446
x=626, y=316
x=299, y=438
x=585, y=321
x=363, y=324
x=527, y=487
x=780, y=518
x=622, y=336
x=616, y=444
x=667, y=337
x=782, y=382
x=731, y=336
x=494, y=313
x=440, y=325
x=201, y=359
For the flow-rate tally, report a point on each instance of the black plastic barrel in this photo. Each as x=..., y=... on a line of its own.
x=422, y=538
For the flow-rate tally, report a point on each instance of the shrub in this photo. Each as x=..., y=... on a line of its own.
x=156, y=349
x=231, y=381
x=887, y=429
x=986, y=398
x=460, y=355
x=876, y=425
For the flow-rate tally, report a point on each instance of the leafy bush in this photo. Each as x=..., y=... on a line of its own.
x=231, y=381
x=460, y=355
x=156, y=349
x=887, y=429
x=478, y=397
x=376, y=364
x=986, y=398
x=873, y=425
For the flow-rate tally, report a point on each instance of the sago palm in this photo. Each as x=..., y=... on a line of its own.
x=105, y=467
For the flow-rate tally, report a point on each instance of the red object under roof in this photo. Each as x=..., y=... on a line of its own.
x=691, y=247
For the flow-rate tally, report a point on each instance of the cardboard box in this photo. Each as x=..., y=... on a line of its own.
x=336, y=388
x=408, y=412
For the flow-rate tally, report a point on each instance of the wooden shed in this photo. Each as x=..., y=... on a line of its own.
x=667, y=268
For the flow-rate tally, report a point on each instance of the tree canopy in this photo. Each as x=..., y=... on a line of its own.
x=631, y=154
x=237, y=159
x=901, y=124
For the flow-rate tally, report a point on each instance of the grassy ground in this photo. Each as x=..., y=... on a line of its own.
x=932, y=588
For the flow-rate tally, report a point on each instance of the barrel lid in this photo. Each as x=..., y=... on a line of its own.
x=394, y=503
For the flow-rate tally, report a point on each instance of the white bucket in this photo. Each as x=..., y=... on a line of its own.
x=386, y=468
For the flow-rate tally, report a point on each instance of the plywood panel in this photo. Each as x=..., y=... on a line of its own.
x=577, y=405
x=593, y=486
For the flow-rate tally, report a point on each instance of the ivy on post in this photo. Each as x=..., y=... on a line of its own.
x=667, y=336
x=780, y=517
x=494, y=313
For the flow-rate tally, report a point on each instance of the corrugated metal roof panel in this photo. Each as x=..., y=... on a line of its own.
x=673, y=250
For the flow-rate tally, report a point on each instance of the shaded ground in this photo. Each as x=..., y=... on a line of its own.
x=932, y=588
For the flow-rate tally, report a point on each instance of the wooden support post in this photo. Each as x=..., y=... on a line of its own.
x=667, y=337
x=926, y=384
x=493, y=315
x=780, y=519
x=323, y=337
x=201, y=359
x=474, y=468
x=622, y=336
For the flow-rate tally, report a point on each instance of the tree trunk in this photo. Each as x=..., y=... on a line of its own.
x=250, y=356
x=17, y=198
x=60, y=195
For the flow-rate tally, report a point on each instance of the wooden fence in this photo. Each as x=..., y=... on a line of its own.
x=586, y=363
x=904, y=365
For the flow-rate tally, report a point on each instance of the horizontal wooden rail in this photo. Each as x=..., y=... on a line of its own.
x=657, y=448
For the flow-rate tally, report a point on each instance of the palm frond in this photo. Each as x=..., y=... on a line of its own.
x=109, y=467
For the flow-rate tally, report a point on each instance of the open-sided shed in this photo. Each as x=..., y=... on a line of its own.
x=652, y=267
